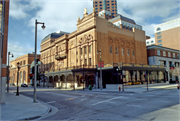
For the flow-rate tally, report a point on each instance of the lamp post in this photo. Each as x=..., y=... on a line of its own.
x=17, y=93
x=8, y=71
x=35, y=75
x=99, y=51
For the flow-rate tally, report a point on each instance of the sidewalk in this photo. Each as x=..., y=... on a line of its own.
x=22, y=108
x=138, y=89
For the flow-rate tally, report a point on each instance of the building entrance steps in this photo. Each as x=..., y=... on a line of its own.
x=22, y=108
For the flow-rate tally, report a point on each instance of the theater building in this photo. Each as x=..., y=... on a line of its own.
x=25, y=63
x=67, y=57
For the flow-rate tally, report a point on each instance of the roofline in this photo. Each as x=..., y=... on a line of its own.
x=160, y=47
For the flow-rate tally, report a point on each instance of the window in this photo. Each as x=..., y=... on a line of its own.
x=123, y=26
x=158, y=33
x=110, y=49
x=147, y=42
x=24, y=77
x=152, y=41
x=159, y=37
x=174, y=56
x=100, y=8
x=112, y=7
x=122, y=51
x=107, y=1
x=158, y=29
x=81, y=51
x=100, y=2
x=90, y=61
x=112, y=4
x=160, y=45
x=85, y=61
x=107, y=7
x=85, y=50
x=89, y=49
x=76, y=52
x=96, y=8
x=128, y=52
x=77, y=60
x=169, y=54
x=159, y=41
x=177, y=55
x=96, y=2
x=164, y=53
x=100, y=5
x=126, y=27
x=133, y=52
x=158, y=52
x=116, y=50
x=107, y=4
x=24, y=62
x=95, y=5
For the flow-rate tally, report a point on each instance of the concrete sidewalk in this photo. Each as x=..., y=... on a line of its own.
x=22, y=108
x=138, y=89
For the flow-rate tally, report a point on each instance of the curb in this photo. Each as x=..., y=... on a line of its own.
x=37, y=117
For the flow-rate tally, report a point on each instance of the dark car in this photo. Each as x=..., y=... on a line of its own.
x=24, y=85
x=12, y=84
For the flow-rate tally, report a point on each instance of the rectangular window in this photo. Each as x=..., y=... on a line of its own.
x=24, y=62
x=174, y=56
x=158, y=33
x=128, y=52
x=77, y=60
x=147, y=42
x=116, y=50
x=122, y=51
x=158, y=52
x=85, y=61
x=81, y=51
x=90, y=61
x=110, y=49
x=160, y=45
x=85, y=50
x=159, y=41
x=152, y=41
x=159, y=37
x=89, y=49
x=164, y=53
x=133, y=52
x=169, y=54
x=178, y=56
x=76, y=52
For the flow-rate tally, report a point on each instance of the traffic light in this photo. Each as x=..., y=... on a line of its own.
x=30, y=76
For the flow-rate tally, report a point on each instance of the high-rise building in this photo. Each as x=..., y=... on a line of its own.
x=167, y=34
x=4, y=18
x=105, y=8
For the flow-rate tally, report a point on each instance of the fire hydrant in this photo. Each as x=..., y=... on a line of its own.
x=119, y=88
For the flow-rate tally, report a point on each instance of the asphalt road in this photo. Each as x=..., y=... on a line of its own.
x=86, y=105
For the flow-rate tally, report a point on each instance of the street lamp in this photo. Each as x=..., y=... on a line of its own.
x=35, y=77
x=17, y=93
x=99, y=51
x=8, y=71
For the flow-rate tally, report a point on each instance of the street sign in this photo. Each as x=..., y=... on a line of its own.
x=101, y=64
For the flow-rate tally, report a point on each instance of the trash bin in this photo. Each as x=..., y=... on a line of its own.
x=90, y=87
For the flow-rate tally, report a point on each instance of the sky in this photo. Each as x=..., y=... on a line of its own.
x=62, y=15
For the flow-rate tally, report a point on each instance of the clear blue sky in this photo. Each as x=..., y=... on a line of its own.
x=62, y=15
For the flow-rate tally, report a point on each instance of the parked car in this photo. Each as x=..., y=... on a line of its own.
x=178, y=86
x=12, y=84
x=24, y=85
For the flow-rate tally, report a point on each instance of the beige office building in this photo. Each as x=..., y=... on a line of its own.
x=168, y=34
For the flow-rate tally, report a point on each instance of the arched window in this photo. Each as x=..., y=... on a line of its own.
x=158, y=29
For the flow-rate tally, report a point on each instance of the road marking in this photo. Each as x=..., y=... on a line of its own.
x=141, y=99
x=106, y=100
x=61, y=95
x=83, y=99
x=134, y=105
x=51, y=102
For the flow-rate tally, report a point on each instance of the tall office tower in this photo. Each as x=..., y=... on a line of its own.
x=4, y=18
x=167, y=34
x=105, y=8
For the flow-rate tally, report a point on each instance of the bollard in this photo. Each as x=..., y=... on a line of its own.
x=119, y=88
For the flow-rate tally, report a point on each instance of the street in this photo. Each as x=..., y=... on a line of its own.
x=89, y=105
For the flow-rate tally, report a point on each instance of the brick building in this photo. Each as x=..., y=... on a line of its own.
x=167, y=34
x=25, y=63
x=4, y=19
x=106, y=9
x=158, y=55
x=61, y=55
